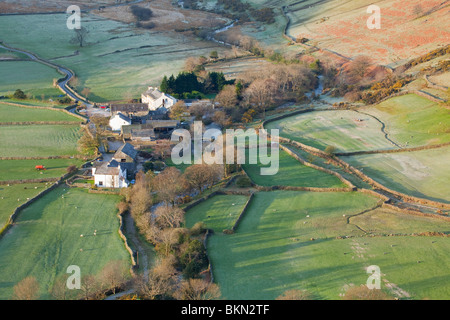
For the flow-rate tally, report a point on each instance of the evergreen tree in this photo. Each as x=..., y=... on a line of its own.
x=164, y=85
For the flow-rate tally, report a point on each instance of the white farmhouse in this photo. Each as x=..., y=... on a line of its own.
x=157, y=99
x=118, y=120
x=110, y=175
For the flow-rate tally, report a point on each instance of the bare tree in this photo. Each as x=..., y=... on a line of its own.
x=221, y=118
x=26, y=289
x=169, y=184
x=89, y=286
x=80, y=36
x=227, y=97
x=169, y=216
x=197, y=289
x=364, y=293
x=358, y=67
x=261, y=93
x=113, y=275
x=295, y=295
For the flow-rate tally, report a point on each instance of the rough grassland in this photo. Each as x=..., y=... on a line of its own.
x=412, y=120
x=339, y=128
x=218, y=213
x=420, y=173
x=272, y=251
x=46, y=239
x=39, y=140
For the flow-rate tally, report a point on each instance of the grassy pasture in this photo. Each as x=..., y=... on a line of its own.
x=420, y=173
x=292, y=173
x=383, y=221
x=9, y=113
x=39, y=140
x=413, y=120
x=46, y=239
x=33, y=78
x=117, y=63
x=25, y=169
x=272, y=252
x=218, y=213
x=339, y=128
x=15, y=195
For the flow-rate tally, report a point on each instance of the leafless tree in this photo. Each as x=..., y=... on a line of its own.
x=169, y=216
x=197, y=289
x=113, y=275
x=227, y=97
x=295, y=295
x=26, y=289
x=80, y=36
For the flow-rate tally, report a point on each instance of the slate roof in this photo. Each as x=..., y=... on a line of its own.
x=129, y=108
x=126, y=149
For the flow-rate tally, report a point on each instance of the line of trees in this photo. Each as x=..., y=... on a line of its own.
x=181, y=254
x=188, y=85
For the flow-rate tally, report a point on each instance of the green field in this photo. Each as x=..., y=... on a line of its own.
x=339, y=128
x=118, y=62
x=39, y=140
x=25, y=169
x=45, y=239
x=218, y=213
x=422, y=174
x=9, y=113
x=292, y=173
x=272, y=250
x=15, y=195
x=33, y=78
x=412, y=120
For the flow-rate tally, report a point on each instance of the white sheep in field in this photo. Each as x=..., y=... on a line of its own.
x=81, y=236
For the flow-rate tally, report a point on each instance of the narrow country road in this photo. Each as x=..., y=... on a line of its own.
x=66, y=72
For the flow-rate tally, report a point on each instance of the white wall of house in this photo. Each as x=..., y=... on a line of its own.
x=117, y=122
x=111, y=181
x=164, y=100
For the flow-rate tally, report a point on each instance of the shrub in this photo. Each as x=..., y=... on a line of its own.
x=244, y=182
x=71, y=169
x=330, y=150
x=198, y=229
x=19, y=94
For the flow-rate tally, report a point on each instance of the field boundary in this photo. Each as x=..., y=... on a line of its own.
x=46, y=108
x=308, y=164
x=352, y=170
x=241, y=215
x=412, y=149
x=17, y=210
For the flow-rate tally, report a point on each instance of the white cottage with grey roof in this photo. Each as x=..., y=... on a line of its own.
x=110, y=175
x=157, y=99
x=118, y=120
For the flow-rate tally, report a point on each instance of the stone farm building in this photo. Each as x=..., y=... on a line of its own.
x=117, y=172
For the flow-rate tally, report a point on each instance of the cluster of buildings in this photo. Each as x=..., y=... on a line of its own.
x=136, y=122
